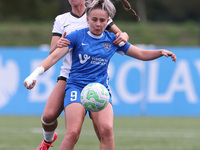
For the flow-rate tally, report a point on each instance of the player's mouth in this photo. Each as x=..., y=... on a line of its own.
x=97, y=30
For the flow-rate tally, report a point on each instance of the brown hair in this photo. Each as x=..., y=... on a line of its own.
x=127, y=6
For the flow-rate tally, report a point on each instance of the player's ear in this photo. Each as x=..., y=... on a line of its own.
x=87, y=20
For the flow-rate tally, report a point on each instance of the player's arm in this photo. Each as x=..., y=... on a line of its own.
x=55, y=56
x=57, y=33
x=121, y=37
x=54, y=40
x=146, y=55
x=58, y=42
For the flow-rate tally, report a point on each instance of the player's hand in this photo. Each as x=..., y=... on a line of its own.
x=168, y=53
x=62, y=42
x=29, y=82
x=121, y=39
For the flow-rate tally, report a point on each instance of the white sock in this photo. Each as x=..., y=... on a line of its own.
x=48, y=135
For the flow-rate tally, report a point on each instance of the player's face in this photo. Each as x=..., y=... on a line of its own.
x=97, y=20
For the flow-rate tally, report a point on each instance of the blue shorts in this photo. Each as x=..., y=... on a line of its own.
x=73, y=94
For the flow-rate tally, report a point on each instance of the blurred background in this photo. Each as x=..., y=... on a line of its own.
x=156, y=103
x=174, y=23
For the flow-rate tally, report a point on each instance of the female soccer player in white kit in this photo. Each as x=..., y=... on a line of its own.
x=89, y=45
x=67, y=22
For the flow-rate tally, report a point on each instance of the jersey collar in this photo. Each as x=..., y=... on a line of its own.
x=95, y=36
x=77, y=15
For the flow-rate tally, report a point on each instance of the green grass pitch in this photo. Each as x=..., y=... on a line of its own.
x=131, y=133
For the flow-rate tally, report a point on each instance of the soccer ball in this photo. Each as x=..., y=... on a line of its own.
x=95, y=97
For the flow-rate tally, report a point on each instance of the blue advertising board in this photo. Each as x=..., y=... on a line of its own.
x=151, y=88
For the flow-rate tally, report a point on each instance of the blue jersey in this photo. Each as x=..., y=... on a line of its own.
x=90, y=56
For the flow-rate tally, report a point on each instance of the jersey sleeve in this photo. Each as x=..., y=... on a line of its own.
x=57, y=28
x=109, y=24
x=122, y=50
x=72, y=37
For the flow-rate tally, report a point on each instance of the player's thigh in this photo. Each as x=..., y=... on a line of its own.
x=54, y=105
x=74, y=110
x=103, y=119
x=74, y=117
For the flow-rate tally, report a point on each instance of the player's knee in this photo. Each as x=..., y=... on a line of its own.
x=48, y=121
x=106, y=131
x=49, y=116
x=72, y=136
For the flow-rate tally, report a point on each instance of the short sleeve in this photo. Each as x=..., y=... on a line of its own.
x=57, y=28
x=109, y=24
x=122, y=50
x=72, y=37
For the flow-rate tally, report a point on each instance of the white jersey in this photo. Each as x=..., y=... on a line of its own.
x=69, y=22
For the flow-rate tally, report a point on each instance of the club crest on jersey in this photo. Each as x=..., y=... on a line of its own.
x=106, y=46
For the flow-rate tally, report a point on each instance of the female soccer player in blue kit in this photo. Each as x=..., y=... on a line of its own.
x=67, y=22
x=91, y=49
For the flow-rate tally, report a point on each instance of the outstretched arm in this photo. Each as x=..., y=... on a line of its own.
x=54, y=57
x=30, y=81
x=146, y=55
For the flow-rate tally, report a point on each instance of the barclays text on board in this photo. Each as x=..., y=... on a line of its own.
x=154, y=88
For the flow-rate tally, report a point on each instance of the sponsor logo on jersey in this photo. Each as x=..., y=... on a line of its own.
x=94, y=60
x=84, y=58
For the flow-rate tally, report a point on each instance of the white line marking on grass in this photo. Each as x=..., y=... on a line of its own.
x=62, y=131
x=158, y=133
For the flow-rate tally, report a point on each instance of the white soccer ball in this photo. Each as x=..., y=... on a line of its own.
x=95, y=97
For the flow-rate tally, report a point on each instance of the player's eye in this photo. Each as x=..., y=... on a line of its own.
x=94, y=19
x=102, y=20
